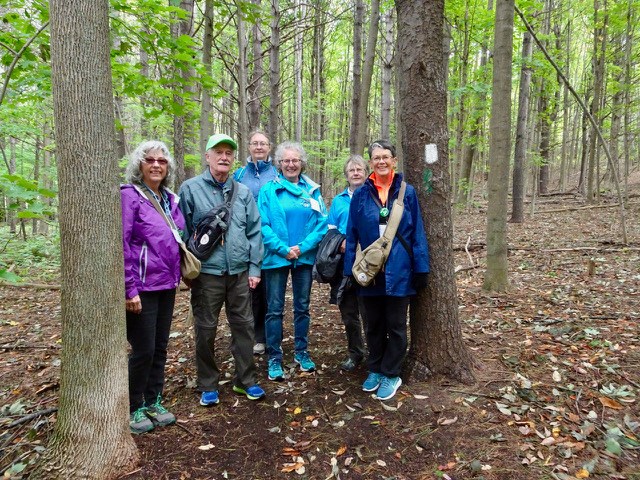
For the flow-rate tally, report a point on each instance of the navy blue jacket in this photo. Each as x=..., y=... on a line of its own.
x=363, y=228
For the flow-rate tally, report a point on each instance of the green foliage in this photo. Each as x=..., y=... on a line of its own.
x=26, y=196
x=37, y=257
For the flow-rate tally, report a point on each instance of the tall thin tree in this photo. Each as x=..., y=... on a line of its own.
x=496, y=274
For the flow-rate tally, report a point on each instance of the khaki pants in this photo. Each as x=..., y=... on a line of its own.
x=208, y=294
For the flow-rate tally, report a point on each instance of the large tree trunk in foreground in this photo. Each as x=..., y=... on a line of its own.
x=91, y=437
x=436, y=338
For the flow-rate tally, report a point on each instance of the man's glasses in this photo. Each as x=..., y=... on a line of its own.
x=259, y=144
x=159, y=161
x=291, y=161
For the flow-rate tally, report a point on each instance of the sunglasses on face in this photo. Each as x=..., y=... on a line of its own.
x=159, y=161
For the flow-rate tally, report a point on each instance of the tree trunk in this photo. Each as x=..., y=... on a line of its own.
x=367, y=75
x=599, y=47
x=206, y=129
x=387, y=69
x=182, y=127
x=254, y=89
x=436, y=339
x=566, y=129
x=241, y=75
x=274, y=73
x=94, y=364
x=356, y=94
x=297, y=73
x=11, y=213
x=517, y=210
x=496, y=275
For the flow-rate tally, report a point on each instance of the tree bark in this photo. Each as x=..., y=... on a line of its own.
x=254, y=88
x=517, y=210
x=367, y=75
x=94, y=364
x=206, y=129
x=241, y=75
x=496, y=275
x=356, y=94
x=436, y=339
x=274, y=73
x=387, y=71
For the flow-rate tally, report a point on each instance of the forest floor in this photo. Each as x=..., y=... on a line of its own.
x=557, y=393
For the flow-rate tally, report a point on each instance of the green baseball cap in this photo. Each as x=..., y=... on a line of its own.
x=221, y=138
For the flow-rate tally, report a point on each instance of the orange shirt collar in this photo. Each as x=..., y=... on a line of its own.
x=383, y=190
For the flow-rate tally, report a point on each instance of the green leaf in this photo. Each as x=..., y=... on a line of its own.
x=612, y=446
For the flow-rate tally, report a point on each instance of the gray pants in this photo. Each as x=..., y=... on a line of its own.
x=208, y=294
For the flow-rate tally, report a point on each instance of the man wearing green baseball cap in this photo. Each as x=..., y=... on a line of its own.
x=226, y=276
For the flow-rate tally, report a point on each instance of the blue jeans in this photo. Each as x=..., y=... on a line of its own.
x=276, y=285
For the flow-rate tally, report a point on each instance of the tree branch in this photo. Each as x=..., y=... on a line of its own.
x=16, y=58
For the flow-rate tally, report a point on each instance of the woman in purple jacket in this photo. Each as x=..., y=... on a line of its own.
x=152, y=274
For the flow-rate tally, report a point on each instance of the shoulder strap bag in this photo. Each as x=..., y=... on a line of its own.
x=370, y=261
x=189, y=264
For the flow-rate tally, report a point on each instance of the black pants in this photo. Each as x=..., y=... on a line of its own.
x=259, y=309
x=148, y=334
x=386, y=328
x=351, y=308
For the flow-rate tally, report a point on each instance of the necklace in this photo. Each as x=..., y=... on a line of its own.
x=384, y=212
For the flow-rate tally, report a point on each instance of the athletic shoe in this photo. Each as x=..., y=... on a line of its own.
x=139, y=422
x=209, y=398
x=304, y=360
x=160, y=416
x=388, y=387
x=275, y=370
x=372, y=382
x=259, y=348
x=253, y=393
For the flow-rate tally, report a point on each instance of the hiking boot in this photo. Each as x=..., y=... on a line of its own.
x=139, y=422
x=209, y=398
x=388, y=387
x=304, y=360
x=160, y=416
x=259, y=348
x=253, y=393
x=372, y=382
x=349, y=365
x=275, y=370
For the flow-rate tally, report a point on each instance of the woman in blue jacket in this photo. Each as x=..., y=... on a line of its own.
x=294, y=220
x=386, y=299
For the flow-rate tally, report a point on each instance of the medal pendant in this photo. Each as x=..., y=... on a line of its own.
x=384, y=212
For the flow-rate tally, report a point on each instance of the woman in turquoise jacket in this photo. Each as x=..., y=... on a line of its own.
x=294, y=220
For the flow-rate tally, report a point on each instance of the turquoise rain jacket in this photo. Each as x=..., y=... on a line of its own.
x=272, y=202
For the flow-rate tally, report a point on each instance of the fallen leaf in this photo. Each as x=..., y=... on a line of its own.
x=447, y=421
x=608, y=402
x=382, y=463
x=446, y=467
x=420, y=397
x=209, y=446
x=341, y=450
x=556, y=376
x=582, y=473
x=297, y=410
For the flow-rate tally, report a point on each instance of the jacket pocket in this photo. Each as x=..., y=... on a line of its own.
x=142, y=263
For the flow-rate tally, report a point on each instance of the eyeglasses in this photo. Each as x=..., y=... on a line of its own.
x=259, y=144
x=385, y=158
x=159, y=161
x=291, y=161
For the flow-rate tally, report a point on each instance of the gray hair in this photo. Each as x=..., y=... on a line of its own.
x=133, y=174
x=290, y=145
x=358, y=160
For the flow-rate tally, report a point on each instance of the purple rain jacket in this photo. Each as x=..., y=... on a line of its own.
x=151, y=253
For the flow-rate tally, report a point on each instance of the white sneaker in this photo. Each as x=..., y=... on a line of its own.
x=259, y=348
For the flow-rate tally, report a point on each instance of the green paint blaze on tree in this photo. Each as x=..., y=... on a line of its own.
x=426, y=180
